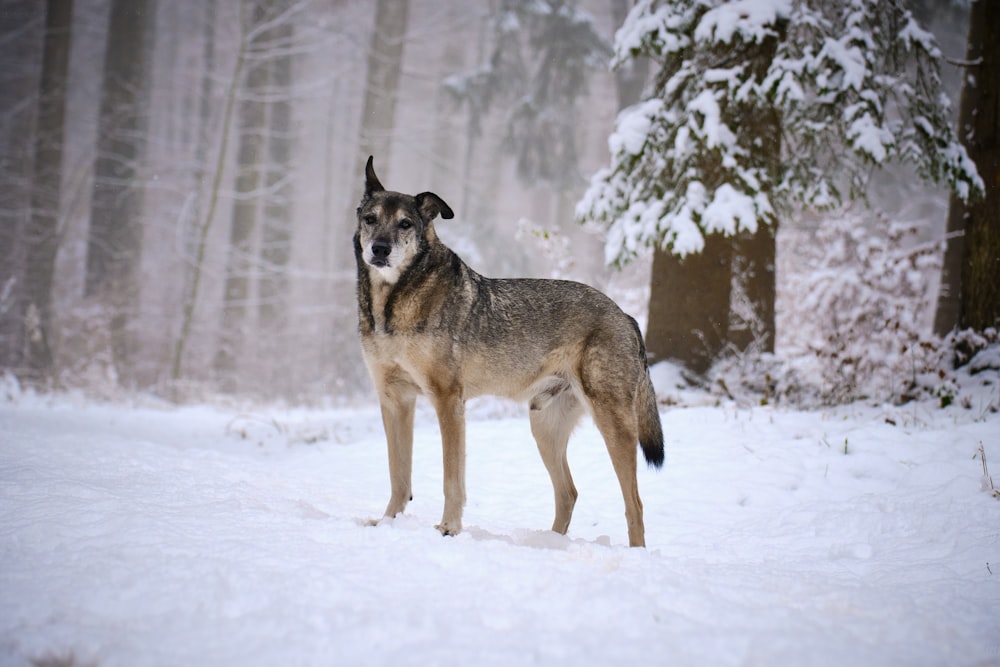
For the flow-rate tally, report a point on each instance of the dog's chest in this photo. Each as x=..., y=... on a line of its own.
x=414, y=358
x=377, y=304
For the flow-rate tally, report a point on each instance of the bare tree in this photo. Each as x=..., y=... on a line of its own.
x=41, y=237
x=276, y=230
x=115, y=238
x=246, y=209
x=385, y=56
x=203, y=215
x=20, y=52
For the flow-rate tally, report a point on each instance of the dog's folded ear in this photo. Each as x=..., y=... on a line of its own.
x=372, y=183
x=431, y=206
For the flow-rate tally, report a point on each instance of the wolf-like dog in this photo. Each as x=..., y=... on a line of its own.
x=431, y=325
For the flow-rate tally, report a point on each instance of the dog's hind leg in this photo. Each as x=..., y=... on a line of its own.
x=554, y=414
x=608, y=370
x=616, y=423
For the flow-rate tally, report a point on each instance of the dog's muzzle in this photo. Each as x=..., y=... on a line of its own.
x=380, y=253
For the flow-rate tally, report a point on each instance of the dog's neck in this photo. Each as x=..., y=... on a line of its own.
x=383, y=275
x=377, y=287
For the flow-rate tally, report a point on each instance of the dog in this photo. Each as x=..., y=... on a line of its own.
x=431, y=325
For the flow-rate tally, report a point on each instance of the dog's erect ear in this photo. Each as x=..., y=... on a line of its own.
x=371, y=180
x=431, y=206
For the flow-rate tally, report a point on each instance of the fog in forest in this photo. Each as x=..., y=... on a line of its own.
x=232, y=137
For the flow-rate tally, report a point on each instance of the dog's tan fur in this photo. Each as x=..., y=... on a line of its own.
x=431, y=325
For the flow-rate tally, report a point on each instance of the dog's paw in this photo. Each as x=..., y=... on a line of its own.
x=449, y=529
x=382, y=520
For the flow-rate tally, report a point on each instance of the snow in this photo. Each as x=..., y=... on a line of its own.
x=715, y=132
x=912, y=35
x=137, y=534
x=730, y=210
x=644, y=22
x=866, y=136
x=848, y=60
x=633, y=127
x=987, y=358
x=753, y=20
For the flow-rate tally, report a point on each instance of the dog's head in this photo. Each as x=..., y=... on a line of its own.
x=393, y=228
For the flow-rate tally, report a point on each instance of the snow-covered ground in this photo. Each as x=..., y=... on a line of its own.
x=145, y=535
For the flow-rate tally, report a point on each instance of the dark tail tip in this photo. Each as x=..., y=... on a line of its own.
x=652, y=449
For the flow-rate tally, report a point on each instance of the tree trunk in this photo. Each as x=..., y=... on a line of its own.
x=42, y=232
x=21, y=45
x=702, y=304
x=115, y=239
x=385, y=57
x=689, y=305
x=970, y=287
x=276, y=231
x=246, y=208
x=204, y=223
x=759, y=127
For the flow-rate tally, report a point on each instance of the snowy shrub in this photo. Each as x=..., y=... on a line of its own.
x=973, y=359
x=857, y=321
x=866, y=310
x=857, y=326
x=962, y=370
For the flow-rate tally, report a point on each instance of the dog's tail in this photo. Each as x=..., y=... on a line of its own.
x=648, y=417
x=647, y=413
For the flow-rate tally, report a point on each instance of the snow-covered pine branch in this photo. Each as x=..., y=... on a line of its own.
x=761, y=106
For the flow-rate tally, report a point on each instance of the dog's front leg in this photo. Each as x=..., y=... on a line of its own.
x=450, y=408
x=397, y=418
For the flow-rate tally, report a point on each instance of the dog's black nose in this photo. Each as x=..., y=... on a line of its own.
x=381, y=249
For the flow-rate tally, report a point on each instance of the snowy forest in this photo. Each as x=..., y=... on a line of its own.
x=797, y=201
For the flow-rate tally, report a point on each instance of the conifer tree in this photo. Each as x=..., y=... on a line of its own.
x=758, y=109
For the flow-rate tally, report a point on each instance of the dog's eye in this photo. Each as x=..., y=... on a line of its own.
x=405, y=224
x=369, y=219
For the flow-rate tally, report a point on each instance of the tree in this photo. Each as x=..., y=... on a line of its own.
x=276, y=230
x=115, y=239
x=21, y=50
x=42, y=238
x=758, y=109
x=689, y=304
x=385, y=57
x=246, y=209
x=970, y=289
x=198, y=234
x=542, y=56
x=630, y=78
x=724, y=294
